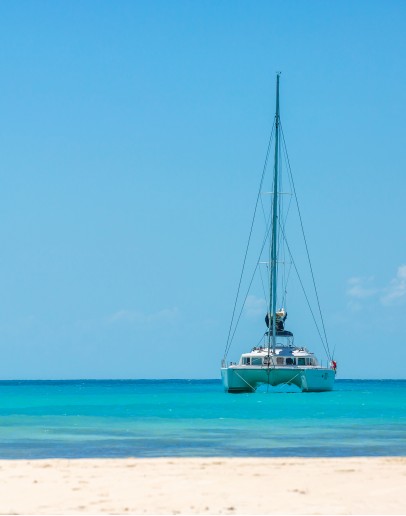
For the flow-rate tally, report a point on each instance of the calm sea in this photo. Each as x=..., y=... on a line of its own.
x=44, y=419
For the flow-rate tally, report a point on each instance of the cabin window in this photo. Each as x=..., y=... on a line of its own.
x=309, y=361
x=280, y=360
x=290, y=361
x=256, y=361
x=301, y=361
x=246, y=360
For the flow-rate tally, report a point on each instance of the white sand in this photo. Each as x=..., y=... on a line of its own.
x=204, y=486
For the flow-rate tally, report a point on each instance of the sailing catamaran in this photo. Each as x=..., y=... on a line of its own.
x=276, y=360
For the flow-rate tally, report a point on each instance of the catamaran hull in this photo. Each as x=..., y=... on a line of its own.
x=244, y=379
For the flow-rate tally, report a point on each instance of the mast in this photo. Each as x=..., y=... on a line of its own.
x=273, y=279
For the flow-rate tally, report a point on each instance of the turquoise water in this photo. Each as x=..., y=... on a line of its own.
x=196, y=418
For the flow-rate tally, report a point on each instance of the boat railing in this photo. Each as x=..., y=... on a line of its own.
x=225, y=364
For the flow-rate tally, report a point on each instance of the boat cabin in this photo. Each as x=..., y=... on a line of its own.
x=282, y=356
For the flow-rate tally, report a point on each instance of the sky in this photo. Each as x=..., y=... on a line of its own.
x=132, y=139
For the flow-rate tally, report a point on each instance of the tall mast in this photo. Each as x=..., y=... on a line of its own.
x=273, y=279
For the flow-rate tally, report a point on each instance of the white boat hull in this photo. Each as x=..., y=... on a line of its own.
x=247, y=379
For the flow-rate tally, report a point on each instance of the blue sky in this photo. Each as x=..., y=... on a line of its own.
x=132, y=138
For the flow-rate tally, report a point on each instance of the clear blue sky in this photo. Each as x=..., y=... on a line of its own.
x=132, y=137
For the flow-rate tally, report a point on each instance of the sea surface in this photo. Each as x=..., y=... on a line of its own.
x=195, y=418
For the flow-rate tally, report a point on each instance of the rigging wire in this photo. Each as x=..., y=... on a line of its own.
x=263, y=286
x=280, y=206
x=247, y=292
x=281, y=249
x=326, y=349
x=228, y=342
x=286, y=276
x=284, y=297
x=306, y=246
x=233, y=327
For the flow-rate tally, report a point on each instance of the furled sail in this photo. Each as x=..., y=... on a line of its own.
x=279, y=321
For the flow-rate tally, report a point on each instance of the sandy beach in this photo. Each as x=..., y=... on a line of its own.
x=204, y=486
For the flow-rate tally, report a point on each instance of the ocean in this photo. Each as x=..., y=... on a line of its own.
x=195, y=418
